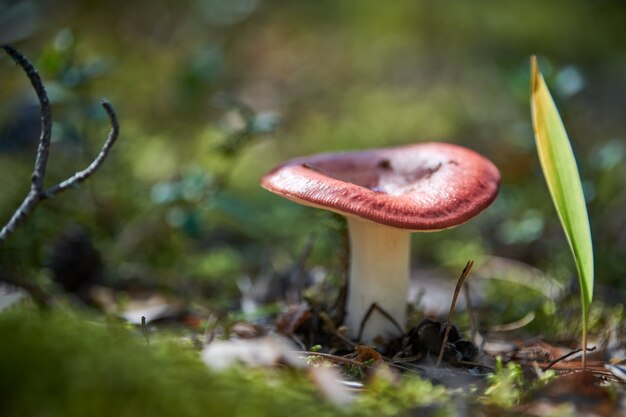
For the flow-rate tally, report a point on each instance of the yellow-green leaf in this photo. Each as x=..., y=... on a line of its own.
x=561, y=174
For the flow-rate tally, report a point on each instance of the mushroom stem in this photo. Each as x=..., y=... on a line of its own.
x=379, y=273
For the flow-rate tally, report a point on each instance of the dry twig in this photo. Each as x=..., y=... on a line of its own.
x=368, y=314
x=37, y=191
x=459, y=284
x=567, y=355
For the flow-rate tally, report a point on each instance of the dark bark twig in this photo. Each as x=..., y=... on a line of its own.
x=567, y=355
x=81, y=176
x=459, y=284
x=46, y=116
x=345, y=340
x=144, y=330
x=368, y=314
x=37, y=191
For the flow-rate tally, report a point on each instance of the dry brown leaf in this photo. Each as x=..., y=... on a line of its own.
x=367, y=353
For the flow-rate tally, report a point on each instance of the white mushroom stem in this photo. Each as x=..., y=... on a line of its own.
x=379, y=273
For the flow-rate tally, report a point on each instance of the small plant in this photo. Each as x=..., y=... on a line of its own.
x=505, y=384
x=561, y=173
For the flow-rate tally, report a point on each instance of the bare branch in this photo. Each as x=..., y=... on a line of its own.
x=27, y=206
x=46, y=116
x=81, y=176
x=37, y=192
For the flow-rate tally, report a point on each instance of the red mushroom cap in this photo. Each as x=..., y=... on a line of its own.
x=425, y=186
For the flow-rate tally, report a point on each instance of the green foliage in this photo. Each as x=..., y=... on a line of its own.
x=505, y=384
x=201, y=90
x=406, y=396
x=561, y=174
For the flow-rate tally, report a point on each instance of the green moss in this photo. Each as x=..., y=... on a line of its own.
x=61, y=364
x=387, y=398
x=67, y=364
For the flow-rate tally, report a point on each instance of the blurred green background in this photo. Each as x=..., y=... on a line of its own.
x=211, y=94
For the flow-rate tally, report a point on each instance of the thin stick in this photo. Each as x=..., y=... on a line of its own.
x=297, y=341
x=144, y=329
x=41, y=161
x=459, y=284
x=81, y=176
x=567, y=355
x=37, y=192
x=46, y=116
x=382, y=311
x=344, y=339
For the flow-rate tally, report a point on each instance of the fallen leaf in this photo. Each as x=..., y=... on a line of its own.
x=367, y=353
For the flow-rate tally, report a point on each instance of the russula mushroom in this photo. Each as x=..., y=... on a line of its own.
x=386, y=194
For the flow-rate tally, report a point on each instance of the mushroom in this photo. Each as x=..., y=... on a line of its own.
x=386, y=194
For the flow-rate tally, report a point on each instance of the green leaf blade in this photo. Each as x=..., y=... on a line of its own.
x=561, y=173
